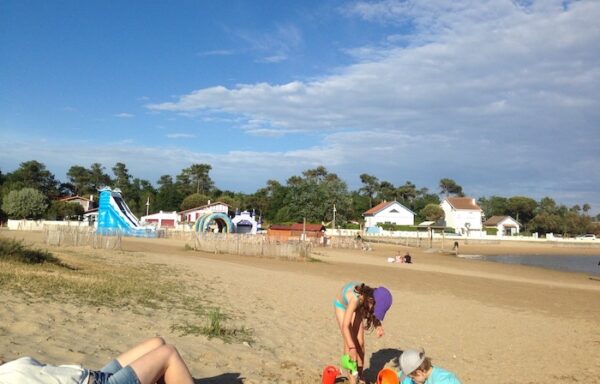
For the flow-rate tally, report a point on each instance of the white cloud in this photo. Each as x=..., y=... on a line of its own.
x=217, y=52
x=180, y=136
x=125, y=115
x=491, y=90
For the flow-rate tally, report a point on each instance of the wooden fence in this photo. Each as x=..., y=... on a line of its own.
x=251, y=245
x=81, y=237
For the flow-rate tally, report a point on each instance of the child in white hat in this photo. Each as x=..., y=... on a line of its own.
x=417, y=369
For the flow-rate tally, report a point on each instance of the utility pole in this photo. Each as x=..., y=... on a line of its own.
x=333, y=222
x=147, y=205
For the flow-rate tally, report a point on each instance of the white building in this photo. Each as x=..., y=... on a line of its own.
x=161, y=219
x=191, y=215
x=505, y=225
x=462, y=213
x=389, y=212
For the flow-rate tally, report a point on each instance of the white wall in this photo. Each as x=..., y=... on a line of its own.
x=402, y=217
x=458, y=218
x=38, y=225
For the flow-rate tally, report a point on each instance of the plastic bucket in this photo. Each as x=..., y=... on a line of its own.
x=387, y=376
x=330, y=373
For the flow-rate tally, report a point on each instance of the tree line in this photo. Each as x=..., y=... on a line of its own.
x=32, y=191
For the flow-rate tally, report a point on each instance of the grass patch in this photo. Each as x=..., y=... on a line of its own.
x=215, y=327
x=113, y=280
x=15, y=250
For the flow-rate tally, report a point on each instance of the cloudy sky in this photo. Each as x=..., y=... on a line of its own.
x=501, y=96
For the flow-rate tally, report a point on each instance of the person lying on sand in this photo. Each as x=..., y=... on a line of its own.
x=417, y=369
x=147, y=363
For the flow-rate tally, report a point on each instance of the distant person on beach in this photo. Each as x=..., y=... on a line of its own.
x=407, y=258
x=359, y=307
x=416, y=368
x=149, y=362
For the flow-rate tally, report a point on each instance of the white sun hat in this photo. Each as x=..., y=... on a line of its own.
x=411, y=359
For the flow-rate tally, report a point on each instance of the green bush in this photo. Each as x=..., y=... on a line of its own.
x=491, y=231
x=15, y=251
x=395, y=227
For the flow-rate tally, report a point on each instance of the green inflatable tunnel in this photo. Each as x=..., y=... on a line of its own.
x=222, y=221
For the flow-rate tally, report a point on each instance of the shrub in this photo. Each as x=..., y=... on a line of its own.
x=15, y=251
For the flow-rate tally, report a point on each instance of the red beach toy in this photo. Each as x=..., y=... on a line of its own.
x=330, y=373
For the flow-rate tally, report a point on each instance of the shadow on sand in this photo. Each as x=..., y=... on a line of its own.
x=225, y=378
x=378, y=361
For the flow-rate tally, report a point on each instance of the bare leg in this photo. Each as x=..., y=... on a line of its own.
x=359, y=330
x=339, y=315
x=162, y=362
x=140, y=350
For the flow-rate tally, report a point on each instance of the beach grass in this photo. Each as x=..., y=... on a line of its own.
x=88, y=278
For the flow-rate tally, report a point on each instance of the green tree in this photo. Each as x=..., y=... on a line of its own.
x=194, y=200
x=370, y=187
x=450, y=187
x=122, y=178
x=26, y=203
x=273, y=199
x=98, y=177
x=387, y=192
x=522, y=208
x=32, y=174
x=432, y=212
x=60, y=210
x=199, y=176
x=545, y=222
x=407, y=193
x=314, y=195
x=168, y=197
x=493, y=206
x=80, y=177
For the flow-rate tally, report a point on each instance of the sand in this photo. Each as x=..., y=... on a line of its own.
x=487, y=322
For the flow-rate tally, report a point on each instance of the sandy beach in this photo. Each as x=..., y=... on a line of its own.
x=489, y=323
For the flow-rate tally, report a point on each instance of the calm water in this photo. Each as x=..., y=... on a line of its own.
x=573, y=263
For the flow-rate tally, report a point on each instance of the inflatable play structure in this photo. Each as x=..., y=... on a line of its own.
x=115, y=217
x=214, y=222
x=243, y=222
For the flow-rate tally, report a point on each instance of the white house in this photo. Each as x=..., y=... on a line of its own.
x=389, y=212
x=505, y=225
x=191, y=215
x=161, y=219
x=462, y=213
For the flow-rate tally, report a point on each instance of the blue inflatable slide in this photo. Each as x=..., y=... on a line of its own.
x=115, y=217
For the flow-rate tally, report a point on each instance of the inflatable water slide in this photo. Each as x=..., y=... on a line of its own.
x=115, y=217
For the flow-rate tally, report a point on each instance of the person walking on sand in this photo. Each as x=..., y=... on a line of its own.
x=416, y=368
x=149, y=362
x=359, y=307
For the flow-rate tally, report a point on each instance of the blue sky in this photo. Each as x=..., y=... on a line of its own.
x=501, y=96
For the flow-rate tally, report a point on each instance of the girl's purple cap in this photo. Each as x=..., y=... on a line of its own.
x=383, y=302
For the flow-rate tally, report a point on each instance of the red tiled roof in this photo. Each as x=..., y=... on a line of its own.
x=74, y=198
x=463, y=203
x=309, y=227
x=495, y=220
x=377, y=208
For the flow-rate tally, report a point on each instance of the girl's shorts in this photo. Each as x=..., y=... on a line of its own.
x=113, y=373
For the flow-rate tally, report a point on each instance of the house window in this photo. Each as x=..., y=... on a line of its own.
x=394, y=211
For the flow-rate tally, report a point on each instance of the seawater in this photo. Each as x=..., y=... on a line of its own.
x=571, y=263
